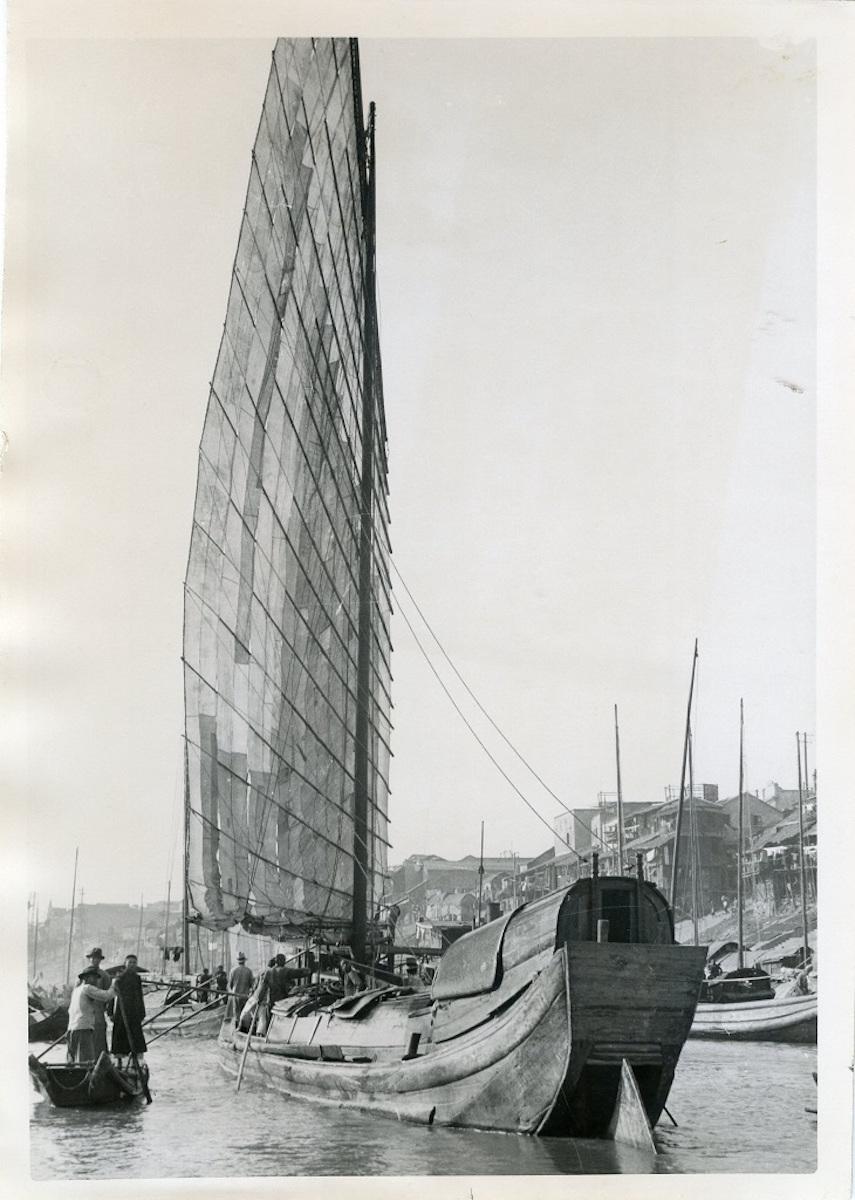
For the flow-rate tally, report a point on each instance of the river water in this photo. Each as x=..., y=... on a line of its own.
x=739, y=1107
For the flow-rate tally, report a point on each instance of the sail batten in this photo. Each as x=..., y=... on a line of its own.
x=276, y=589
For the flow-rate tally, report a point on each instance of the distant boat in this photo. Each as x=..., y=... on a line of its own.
x=46, y=1026
x=742, y=1004
x=559, y=1018
x=72, y=1085
x=780, y=1019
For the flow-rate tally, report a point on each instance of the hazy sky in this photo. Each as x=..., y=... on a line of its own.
x=596, y=269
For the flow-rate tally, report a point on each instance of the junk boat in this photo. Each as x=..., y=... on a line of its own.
x=528, y=1027
x=536, y=1022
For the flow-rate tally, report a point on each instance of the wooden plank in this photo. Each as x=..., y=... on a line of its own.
x=633, y=993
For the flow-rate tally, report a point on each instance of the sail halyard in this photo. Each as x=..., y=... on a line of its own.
x=274, y=609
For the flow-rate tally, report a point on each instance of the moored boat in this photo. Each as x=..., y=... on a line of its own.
x=79, y=1085
x=779, y=1019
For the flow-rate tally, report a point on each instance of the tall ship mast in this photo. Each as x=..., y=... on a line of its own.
x=287, y=594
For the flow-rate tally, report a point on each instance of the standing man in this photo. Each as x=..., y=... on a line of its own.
x=85, y=999
x=202, y=981
x=240, y=982
x=103, y=981
x=221, y=979
x=128, y=1012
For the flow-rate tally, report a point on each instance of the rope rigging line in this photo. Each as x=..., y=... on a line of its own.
x=478, y=739
x=480, y=706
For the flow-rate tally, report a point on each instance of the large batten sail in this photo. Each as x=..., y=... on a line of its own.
x=272, y=593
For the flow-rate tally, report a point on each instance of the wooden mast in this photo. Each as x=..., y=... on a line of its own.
x=36, y=936
x=682, y=785
x=71, y=920
x=805, y=947
x=185, y=914
x=619, y=800
x=361, y=799
x=139, y=931
x=480, y=874
x=740, y=838
x=693, y=838
x=164, y=957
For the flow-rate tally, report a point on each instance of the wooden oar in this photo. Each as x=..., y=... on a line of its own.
x=61, y=1038
x=134, y=1058
x=246, y=1047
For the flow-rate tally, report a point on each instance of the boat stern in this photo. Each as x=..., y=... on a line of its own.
x=626, y=1001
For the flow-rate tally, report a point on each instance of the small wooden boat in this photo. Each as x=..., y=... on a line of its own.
x=46, y=1027
x=781, y=1019
x=78, y=1085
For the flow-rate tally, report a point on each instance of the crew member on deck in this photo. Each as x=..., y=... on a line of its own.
x=203, y=978
x=240, y=982
x=221, y=979
x=85, y=999
x=128, y=1012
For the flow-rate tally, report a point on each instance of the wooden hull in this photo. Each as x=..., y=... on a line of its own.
x=785, y=1019
x=545, y=1061
x=72, y=1086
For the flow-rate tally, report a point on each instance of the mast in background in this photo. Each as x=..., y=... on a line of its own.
x=682, y=786
x=166, y=925
x=480, y=874
x=185, y=923
x=619, y=800
x=139, y=930
x=740, y=837
x=71, y=921
x=35, y=935
x=805, y=947
x=693, y=838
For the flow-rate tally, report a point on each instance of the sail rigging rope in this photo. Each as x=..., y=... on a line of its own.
x=480, y=706
x=479, y=740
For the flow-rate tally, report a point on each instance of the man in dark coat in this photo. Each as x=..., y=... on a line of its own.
x=128, y=1012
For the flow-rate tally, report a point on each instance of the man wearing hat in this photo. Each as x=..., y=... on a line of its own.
x=87, y=1000
x=240, y=983
x=96, y=957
